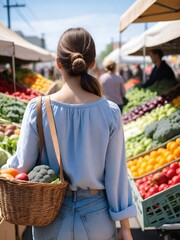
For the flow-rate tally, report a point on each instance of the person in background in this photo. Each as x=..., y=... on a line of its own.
x=138, y=73
x=161, y=69
x=91, y=140
x=113, y=84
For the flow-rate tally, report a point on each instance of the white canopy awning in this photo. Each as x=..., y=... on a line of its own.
x=150, y=11
x=12, y=44
x=115, y=55
x=164, y=35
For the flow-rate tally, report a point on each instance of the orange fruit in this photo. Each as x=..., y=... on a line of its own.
x=161, y=150
x=146, y=157
x=154, y=154
x=176, y=152
x=163, y=161
x=152, y=161
x=141, y=171
x=172, y=146
x=149, y=168
x=166, y=153
x=6, y=175
x=135, y=174
x=12, y=171
x=170, y=158
x=157, y=165
x=178, y=141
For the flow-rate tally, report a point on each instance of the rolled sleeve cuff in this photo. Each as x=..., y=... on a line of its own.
x=126, y=213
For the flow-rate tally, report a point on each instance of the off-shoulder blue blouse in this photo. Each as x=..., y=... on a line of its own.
x=92, y=147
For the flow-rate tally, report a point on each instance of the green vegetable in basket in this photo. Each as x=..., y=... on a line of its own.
x=42, y=173
x=3, y=157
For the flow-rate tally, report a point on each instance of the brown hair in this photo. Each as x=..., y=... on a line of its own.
x=76, y=52
x=110, y=66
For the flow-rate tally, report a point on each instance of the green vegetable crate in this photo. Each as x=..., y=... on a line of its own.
x=161, y=208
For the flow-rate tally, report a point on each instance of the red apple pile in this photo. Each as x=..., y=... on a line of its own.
x=157, y=182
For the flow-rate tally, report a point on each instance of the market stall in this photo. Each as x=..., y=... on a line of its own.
x=164, y=35
x=151, y=123
x=150, y=11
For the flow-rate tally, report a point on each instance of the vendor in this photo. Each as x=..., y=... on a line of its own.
x=161, y=69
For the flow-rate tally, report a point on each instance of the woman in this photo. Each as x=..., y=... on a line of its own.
x=90, y=136
x=113, y=84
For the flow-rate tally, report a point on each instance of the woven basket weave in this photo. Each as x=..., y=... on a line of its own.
x=30, y=203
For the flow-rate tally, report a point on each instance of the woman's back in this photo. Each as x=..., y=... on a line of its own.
x=83, y=133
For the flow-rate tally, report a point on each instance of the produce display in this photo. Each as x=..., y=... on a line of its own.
x=159, y=181
x=37, y=82
x=131, y=83
x=164, y=129
x=144, y=108
x=12, y=109
x=9, y=144
x=3, y=157
x=20, y=93
x=137, y=126
x=8, y=130
x=176, y=101
x=136, y=97
x=155, y=159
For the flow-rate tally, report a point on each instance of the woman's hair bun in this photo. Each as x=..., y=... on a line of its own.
x=78, y=65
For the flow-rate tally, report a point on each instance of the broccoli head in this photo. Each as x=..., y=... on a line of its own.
x=150, y=129
x=42, y=173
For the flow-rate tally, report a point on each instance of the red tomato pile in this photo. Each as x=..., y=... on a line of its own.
x=157, y=182
x=21, y=93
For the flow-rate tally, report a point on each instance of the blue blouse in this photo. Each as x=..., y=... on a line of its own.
x=92, y=147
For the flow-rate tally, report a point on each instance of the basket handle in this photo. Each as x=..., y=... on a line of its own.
x=54, y=135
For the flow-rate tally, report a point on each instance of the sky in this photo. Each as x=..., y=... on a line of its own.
x=52, y=17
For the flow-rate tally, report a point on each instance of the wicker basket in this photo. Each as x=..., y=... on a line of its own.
x=30, y=203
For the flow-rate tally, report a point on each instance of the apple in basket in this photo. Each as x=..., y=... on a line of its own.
x=22, y=176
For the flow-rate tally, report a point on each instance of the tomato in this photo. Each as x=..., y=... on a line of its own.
x=174, y=165
x=163, y=187
x=171, y=173
x=152, y=191
x=176, y=179
x=165, y=170
x=159, y=178
x=22, y=176
x=178, y=171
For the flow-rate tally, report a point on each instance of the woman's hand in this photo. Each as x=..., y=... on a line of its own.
x=124, y=234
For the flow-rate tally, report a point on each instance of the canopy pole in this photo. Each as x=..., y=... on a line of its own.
x=144, y=55
x=14, y=72
x=120, y=40
x=144, y=63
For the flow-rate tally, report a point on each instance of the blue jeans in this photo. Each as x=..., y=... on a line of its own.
x=83, y=216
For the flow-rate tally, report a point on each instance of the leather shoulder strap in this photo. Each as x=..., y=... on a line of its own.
x=39, y=126
x=54, y=135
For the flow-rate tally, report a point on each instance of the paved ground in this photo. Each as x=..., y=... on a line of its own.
x=138, y=234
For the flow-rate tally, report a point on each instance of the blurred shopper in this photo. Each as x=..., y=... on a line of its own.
x=113, y=84
x=138, y=73
x=91, y=140
x=161, y=69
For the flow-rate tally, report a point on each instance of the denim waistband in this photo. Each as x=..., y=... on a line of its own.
x=74, y=194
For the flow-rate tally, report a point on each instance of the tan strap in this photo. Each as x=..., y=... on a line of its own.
x=39, y=126
x=54, y=135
